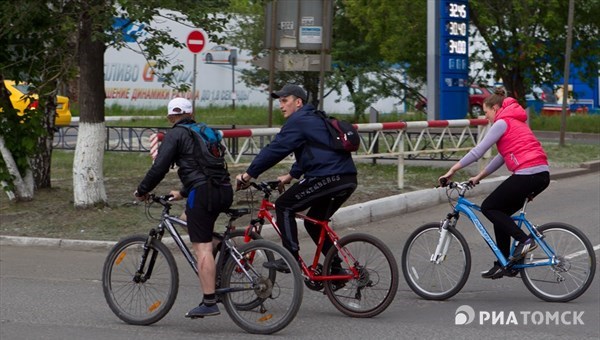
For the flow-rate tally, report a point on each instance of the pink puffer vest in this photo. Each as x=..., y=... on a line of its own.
x=519, y=146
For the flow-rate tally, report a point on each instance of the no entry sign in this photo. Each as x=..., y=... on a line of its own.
x=195, y=41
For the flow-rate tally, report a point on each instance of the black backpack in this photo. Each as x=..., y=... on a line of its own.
x=209, y=152
x=344, y=136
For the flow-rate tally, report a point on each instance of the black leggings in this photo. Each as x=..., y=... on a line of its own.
x=323, y=195
x=507, y=199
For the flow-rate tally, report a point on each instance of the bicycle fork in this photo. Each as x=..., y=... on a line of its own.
x=443, y=243
x=140, y=276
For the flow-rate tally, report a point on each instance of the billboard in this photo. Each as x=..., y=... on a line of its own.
x=131, y=81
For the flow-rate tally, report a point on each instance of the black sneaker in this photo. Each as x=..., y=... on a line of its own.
x=203, y=310
x=523, y=248
x=339, y=284
x=278, y=265
x=495, y=272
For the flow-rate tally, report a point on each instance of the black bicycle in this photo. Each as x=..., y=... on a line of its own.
x=141, y=281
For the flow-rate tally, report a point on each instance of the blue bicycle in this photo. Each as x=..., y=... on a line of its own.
x=436, y=259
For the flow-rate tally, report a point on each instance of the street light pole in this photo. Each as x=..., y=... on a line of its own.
x=563, y=116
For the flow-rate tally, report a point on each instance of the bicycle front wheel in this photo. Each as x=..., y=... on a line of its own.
x=374, y=289
x=144, y=298
x=280, y=294
x=575, y=264
x=441, y=279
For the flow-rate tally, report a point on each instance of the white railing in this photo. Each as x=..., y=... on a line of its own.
x=385, y=140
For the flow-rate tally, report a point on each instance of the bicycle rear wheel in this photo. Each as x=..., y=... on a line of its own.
x=573, y=273
x=144, y=299
x=377, y=283
x=431, y=280
x=237, y=238
x=280, y=294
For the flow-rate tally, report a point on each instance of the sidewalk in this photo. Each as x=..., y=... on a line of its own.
x=362, y=213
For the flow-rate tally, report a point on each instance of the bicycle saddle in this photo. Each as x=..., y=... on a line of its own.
x=236, y=213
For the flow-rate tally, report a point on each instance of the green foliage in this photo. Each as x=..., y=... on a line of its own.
x=527, y=40
x=40, y=41
x=397, y=30
x=20, y=135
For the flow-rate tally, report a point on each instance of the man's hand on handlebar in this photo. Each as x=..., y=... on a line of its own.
x=242, y=181
x=141, y=198
x=283, y=180
x=175, y=195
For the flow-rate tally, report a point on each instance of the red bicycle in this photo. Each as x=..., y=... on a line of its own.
x=371, y=281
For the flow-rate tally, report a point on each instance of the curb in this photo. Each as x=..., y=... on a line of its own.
x=357, y=214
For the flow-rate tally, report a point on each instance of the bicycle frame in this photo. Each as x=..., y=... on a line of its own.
x=467, y=208
x=168, y=222
x=264, y=212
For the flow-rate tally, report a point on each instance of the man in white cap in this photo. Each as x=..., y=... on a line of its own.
x=204, y=203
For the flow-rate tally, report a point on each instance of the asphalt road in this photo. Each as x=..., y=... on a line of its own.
x=56, y=293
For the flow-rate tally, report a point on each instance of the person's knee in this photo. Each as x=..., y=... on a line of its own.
x=203, y=249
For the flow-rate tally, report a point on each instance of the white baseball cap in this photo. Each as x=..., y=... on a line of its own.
x=178, y=106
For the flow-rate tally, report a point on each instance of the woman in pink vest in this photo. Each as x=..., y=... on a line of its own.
x=524, y=156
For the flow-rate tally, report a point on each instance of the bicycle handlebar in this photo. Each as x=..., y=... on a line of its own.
x=162, y=199
x=461, y=186
x=266, y=187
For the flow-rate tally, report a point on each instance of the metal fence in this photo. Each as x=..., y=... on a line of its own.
x=430, y=140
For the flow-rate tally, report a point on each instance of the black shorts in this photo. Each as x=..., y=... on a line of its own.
x=203, y=206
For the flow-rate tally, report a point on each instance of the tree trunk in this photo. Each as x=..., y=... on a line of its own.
x=23, y=192
x=88, y=177
x=41, y=162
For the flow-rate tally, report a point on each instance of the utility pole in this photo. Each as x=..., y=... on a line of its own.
x=563, y=116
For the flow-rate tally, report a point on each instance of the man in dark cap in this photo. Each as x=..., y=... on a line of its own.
x=326, y=177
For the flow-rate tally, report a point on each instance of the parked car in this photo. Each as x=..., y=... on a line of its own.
x=217, y=54
x=544, y=93
x=477, y=95
x=22, y=99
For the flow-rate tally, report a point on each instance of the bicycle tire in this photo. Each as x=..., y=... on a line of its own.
x=375, y=288
x=141, y=303
x=280, y=297
x=435, y=281
x=574, y=273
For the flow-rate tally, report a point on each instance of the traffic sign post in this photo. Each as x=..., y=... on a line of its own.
x=195, y=43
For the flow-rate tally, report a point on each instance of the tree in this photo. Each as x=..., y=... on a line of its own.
x=43, y=47
x=358, y=63
x=95, y=33
x=527, y=38
x=40, y=56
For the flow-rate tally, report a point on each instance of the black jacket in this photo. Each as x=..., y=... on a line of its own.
x=176, y=148
x=304, y=134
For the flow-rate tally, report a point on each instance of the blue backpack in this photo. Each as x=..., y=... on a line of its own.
x=209, y=152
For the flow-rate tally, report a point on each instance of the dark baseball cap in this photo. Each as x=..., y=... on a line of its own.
x=290, y=90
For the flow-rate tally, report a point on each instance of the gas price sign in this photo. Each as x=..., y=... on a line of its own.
x=454, y=52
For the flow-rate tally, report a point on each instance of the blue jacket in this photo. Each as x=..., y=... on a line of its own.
x=304, y=134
